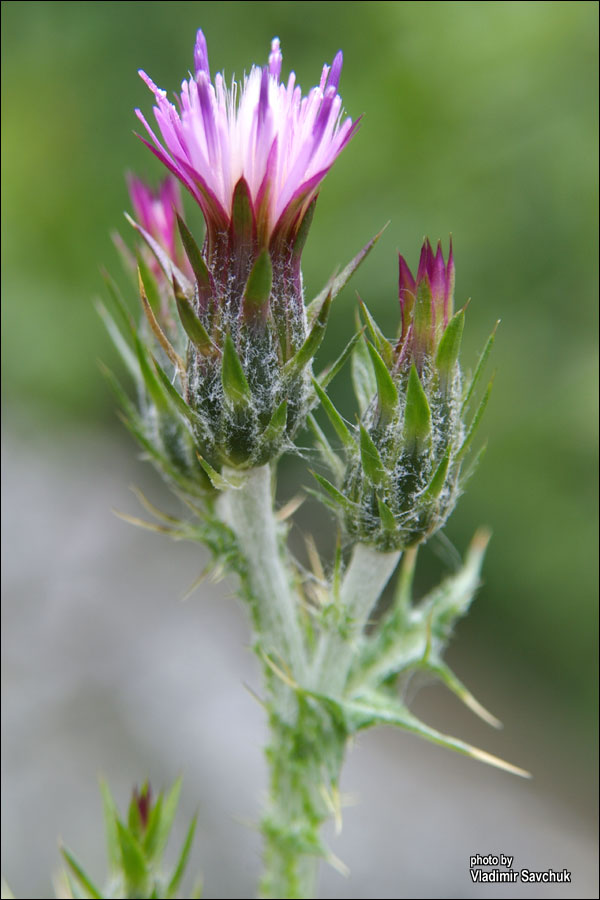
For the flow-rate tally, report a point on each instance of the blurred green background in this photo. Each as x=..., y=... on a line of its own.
x=480, y=120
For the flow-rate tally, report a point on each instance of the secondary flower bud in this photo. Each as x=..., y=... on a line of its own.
x=404, y=470
x=156, y=211
x=426, y=304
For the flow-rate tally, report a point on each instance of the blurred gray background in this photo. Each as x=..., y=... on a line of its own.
x=480, y=120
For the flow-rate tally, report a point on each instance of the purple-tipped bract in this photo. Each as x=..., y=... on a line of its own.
x=426, y=302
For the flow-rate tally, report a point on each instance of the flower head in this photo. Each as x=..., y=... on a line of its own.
x=262, y=133
x=230, y=332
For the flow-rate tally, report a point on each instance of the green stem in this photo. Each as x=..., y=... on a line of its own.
x=248, y=511
x=305, y=759
x=306, y=744
x=364, y=581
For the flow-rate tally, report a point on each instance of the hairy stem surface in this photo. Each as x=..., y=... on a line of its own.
x=248, y=511
x=307, y=742
x=365, y=579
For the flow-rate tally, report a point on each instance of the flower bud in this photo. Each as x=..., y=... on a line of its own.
x=404, y=470
x=156, y=212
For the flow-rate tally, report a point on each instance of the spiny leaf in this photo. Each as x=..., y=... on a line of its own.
x=330, y=458
x=449, y=347
x=328, y=374
x=152, y=385
x=161, y=337
x=165, y=262
x=463, y=693
x=276, y=427
x=386, y=515
x=169, y=808
x=476, y=422
x=194, y=256
x=378, y=708
x=148, y=285
x=176, y=534
x=334, y=417
x=217, y=480
x=417, y=416
x=110, y=827
x=133, y=860
x=152, y=830
x=340, y=281
x=187, y=485
x=384, y=348
x=182, y=861
x=403, y=590
x=151, y=508
x=371, y=460
x=332, y=491
x=438, y=479
x=258, y=289
x=192, y=325
x=126, y=319
x=386, y=389
x=451, y=599
x=312, y=342
x=235, y=385
x=80, y=874
x=467, y=473
x=175, y=398
x=480, y=367
x=363, y=376
x=123, y=349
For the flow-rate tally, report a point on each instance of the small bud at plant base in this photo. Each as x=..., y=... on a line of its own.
x=135, y=848
x=404, y=470
x=142, y=803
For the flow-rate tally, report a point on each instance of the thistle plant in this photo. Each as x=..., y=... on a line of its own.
x=222, y=362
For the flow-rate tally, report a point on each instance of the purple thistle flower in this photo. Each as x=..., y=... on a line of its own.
x=156, y=210
x=261, y=131
x=253, y=156
x=426, y=302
